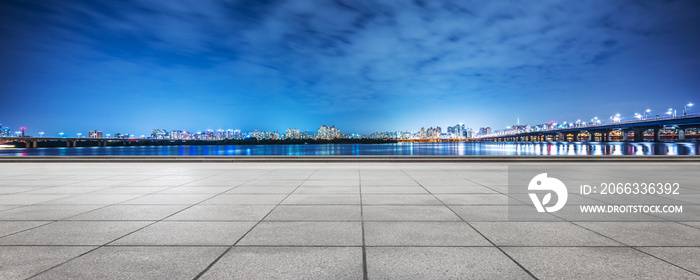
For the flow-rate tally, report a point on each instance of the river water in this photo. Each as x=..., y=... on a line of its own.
x=391, y=149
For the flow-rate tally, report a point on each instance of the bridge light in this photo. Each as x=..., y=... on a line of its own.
x=685, y=108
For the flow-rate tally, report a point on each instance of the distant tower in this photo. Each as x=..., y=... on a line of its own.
x=23, y=128
x=518, y=121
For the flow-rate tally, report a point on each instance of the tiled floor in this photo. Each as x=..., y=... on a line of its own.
x=309, y=220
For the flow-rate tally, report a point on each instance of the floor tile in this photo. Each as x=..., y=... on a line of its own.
x=188, y=233
x=305, y=233
x=288, y=263
x=137, y=263
x=441, y=263
x=594, y=263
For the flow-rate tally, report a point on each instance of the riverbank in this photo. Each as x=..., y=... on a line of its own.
x=151, y=142
x=349, y=159
x=383, y=149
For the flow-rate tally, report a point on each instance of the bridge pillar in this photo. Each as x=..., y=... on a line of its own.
x=638, y=135
x=75, y=143
x=624, y=134
x=605, y=136
x=657, y=136
x=575, y=134
x=35, y=144
x=681, y=134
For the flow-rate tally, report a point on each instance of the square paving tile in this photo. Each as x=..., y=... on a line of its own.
x=188, y=233
x=9, y=227
x=288, y=263
x=273, y=183
x=327, y=190
x=262, y=190
x=66, y=190
x=441, y=263
x=393, y=190
x=223, y=213
x=540, y=234
x=22, y=262
x=331, y=183
x=246, y=199
x=594, y=263
x=137, y=263
x=130, y=190
x=322, y=199
x=647, y=233
x=100, y=199
x=73, y=233
x=46, y=212
x=422, y=234
x=499, y=213
x=24, y=199
x=315, y=213
x=196, y=190
x=400, y=199
x=169, y=199
x=459, y=189
x=459, y=199
x=7, y=207
x=305, y=233
x=685, y=257
x=130, y=213
x=408, y=213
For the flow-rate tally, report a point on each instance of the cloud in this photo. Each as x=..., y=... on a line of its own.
x=353, y=56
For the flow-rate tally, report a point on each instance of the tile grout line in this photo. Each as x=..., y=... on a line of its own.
x=64, y=219
x=206, y=269
x=362, y=220
x=473, y=228
x=635, y=248
x=90, y=180
x=107, y=244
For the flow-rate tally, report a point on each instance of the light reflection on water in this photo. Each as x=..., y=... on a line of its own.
x=401, y=149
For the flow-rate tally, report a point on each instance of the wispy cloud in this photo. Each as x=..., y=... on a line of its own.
x=354, y=56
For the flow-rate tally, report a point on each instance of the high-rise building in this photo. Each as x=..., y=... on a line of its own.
x=456, y=131
x=484, y=131
x=325, y=132
x=95, y=134
x=159, y=134
x=5, y=131
x=469, y=133
x=292, y=134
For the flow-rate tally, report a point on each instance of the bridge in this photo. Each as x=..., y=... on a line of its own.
x=33, y=142
x=601, y=132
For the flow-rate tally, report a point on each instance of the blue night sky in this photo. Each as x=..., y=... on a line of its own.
x=364, y=66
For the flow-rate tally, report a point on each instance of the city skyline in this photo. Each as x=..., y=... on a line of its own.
x=365, y=67
x=459, y=130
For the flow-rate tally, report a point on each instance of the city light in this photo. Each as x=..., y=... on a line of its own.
x=327, y=132
x=685, y=108
x=616, y=118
